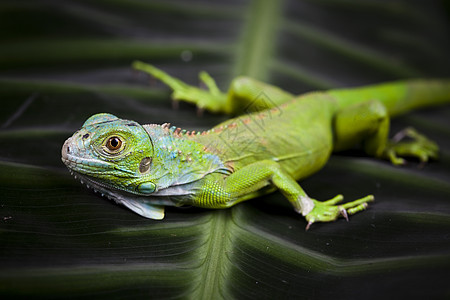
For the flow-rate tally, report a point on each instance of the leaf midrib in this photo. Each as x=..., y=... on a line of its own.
x=259, y=39
x=216, y=245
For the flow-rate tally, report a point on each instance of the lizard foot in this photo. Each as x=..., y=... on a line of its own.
x=328, y=211
x=211, y=99
x=419, y=146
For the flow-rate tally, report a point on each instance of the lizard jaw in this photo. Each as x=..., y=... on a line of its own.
x=103, y=189
x=147, y=208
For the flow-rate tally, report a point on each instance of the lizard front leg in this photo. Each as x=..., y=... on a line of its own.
x=212, y=99
x=245, y=95
x=249, y=182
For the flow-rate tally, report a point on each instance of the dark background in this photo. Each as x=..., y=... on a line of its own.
x=62, y=61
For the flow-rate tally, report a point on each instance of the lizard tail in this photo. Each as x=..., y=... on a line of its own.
x=398, y=97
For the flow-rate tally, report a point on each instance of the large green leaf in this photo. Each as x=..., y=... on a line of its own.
x=61, y=61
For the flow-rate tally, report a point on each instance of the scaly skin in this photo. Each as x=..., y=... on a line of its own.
x=279, y=140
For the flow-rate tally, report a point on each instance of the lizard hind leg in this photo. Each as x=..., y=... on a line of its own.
x=368, y=123
x=418, y=146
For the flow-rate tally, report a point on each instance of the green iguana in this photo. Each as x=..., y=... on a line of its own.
x=279, y=140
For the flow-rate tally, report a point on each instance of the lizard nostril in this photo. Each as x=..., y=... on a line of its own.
x=65, y=150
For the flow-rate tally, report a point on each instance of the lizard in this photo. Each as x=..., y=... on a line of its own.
x=275, y=140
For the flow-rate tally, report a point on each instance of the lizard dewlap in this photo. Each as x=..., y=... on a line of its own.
x=280, y=139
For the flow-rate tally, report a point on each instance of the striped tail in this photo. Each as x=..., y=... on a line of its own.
x=398, y=97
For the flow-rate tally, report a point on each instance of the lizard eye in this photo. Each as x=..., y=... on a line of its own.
x=113, y=144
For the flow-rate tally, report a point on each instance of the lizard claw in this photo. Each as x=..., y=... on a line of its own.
x=200, y=111
x=308, y=225
x=175, y=104
x=343, y=212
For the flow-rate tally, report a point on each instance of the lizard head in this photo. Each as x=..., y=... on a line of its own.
x=111, y=153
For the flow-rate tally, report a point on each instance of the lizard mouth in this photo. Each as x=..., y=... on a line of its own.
x=79, y=164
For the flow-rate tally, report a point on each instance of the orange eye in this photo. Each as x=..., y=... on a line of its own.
x=114, y=143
